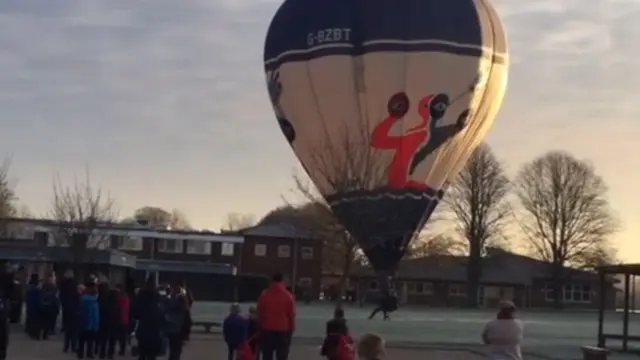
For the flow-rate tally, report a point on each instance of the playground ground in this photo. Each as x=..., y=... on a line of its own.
x=547, y=334
x=201, y=347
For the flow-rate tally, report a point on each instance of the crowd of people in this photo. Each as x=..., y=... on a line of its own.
x=266, y=332
x=101, y=320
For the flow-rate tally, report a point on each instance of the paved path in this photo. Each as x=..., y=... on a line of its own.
x=212, y=348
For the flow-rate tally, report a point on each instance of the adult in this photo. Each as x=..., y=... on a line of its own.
x=50, y=305
x=32, y=322
x=17, y=299
x=48, y=310
x=177, y=325
x=388, y=304
x=148, y=314
x=124, y=328
x=68, y=290
x=111, y=323
x=277, y=319
x=504, y=334
x=6, y=293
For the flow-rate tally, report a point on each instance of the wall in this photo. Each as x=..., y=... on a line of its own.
x=295, y=268
x=539, y=300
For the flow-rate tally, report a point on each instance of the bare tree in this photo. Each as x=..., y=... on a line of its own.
x=237, y=221
x=427, y=245
x=339, y=164
x=565, y=212
x=477, y=202
x=8, y=196
x=339, y=248
x=158, y=217
x=81, y=211
x=595, y=257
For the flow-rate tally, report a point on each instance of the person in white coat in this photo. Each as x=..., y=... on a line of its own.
x=504, y=334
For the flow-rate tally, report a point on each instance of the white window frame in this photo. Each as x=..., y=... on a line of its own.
x=569, y=292
x=457, y=290
x=130, y=243
x=306, y=252
x=260, y=250
x=227, y=249
x=420, y=288
x=548, y=293
x=162, y=246
x=284, y=251
x=194, y=247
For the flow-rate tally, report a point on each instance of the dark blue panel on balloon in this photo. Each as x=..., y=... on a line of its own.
x=308, y=29
x=384, y=220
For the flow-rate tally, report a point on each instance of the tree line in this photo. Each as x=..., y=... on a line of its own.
x=556, y=206
x=80, y=209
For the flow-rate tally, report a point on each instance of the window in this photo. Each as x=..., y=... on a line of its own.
x=170, y=246
x=305, y=281
x=226, y=249
x=572, y=293
x=306, y=252
x=260, y=250
x=284, y=251
x=548, y=292
x=422, y=288
x=198, y=247
x=457, y=290
x=373, y=285
x=131, y=243
x=99, y=241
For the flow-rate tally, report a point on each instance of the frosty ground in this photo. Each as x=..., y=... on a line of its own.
x=548, y=334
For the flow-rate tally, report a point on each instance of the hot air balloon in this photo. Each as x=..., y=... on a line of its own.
x=383, y=101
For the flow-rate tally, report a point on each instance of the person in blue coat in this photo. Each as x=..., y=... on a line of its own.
x=89, y=321
x=234, y=330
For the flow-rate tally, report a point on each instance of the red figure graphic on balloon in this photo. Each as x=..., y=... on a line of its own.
x=408, y=151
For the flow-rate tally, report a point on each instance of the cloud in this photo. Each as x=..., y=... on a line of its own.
x=165, y=99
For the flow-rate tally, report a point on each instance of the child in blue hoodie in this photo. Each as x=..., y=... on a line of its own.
x=234, y=330
x=88, y=321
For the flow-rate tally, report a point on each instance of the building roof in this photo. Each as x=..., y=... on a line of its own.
x=30, y=254
x=185, y=266
x=631, y=269
x=279, y=230
x=499, y=267
x=128, y=229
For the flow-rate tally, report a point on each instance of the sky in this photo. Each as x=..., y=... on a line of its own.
x=164, y=101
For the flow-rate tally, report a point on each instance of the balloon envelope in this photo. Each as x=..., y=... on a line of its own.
x=383, y=102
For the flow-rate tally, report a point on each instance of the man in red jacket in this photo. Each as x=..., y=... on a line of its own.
x=277, y=320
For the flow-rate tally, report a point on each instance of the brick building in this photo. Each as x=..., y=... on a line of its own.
x=441, y=281
x=216, y=266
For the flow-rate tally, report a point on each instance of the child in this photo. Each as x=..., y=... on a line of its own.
x=253, y=330
x=234, y=330
x=371, y=347
x=338, y=344
x=88, y=321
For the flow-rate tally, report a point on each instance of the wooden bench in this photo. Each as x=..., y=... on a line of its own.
x=207, y=325
x=594, y=353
